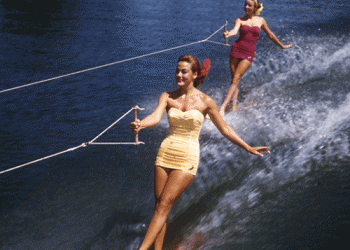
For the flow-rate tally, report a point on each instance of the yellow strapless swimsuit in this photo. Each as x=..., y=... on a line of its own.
x=180, y=149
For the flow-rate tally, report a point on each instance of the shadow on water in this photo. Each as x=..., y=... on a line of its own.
x=316, y=218
x=120, y=229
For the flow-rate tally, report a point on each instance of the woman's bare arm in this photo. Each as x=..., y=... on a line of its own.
x=272, y=36
x=229, y=133
x=154, y=118
x=235, y=29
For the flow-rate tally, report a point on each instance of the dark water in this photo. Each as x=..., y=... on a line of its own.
x=101, y=197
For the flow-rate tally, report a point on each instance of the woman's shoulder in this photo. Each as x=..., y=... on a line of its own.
x=171, y=94
x=164, y=97
x=260, y=19
x=240, y=19
x=205, y=98
x=166, y=93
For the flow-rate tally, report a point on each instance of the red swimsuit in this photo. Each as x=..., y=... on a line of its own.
x=244, y=46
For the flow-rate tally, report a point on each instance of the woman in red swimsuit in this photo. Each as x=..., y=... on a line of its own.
x=243, y=50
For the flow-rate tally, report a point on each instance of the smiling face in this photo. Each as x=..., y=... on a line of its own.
x=249, y=7
x=184, y=75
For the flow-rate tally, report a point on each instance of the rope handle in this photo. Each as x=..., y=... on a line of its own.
x=226, y=31
x=85, y=144
x=135, y=108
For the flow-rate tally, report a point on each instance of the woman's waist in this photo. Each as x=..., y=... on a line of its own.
x=186, y=137
x=245, y=42
x=184, y=133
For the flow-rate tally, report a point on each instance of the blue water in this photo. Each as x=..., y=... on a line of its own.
x=296, y=101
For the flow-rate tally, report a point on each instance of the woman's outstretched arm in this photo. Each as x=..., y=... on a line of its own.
x=154, y=118
x=235, y=29
x=272, y=36
x=229, y=133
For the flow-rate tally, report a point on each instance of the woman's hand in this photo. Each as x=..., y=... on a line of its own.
x=257, y=150
x=287, y=46
x=136, y=126
x=226, y=34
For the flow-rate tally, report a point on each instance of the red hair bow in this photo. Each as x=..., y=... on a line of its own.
x=205, y=69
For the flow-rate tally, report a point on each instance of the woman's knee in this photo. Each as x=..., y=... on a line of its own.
x=164, y=205
x=235, y=80
x=237, y=77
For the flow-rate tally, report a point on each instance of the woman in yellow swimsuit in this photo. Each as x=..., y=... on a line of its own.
x=178, y=156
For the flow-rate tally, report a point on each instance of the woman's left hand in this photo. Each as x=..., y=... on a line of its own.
x=287, y=46
x=257, y=150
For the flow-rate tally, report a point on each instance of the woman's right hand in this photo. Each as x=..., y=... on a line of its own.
x=136, y=126
x=226, y=34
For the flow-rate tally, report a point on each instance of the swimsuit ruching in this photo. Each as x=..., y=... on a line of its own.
x=244, y=46
x=180, y=149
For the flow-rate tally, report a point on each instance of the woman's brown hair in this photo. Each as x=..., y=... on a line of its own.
x=196, y=67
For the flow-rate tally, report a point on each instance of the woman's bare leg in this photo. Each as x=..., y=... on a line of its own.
x=160, y=178
x=238, y=68
x=177, y=182
x=158, y=243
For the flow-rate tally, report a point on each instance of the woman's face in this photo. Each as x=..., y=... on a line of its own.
x=184, y=75
x=249, y=7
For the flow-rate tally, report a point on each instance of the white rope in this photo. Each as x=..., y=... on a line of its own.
x=223, y=26
x=110, y=64
x=111, y=125
x=219, y=43
x=116, y=143
x=41, y=159
x=83, y=144
x=134, y=108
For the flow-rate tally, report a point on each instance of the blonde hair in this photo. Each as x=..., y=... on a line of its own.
x=259, y=7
